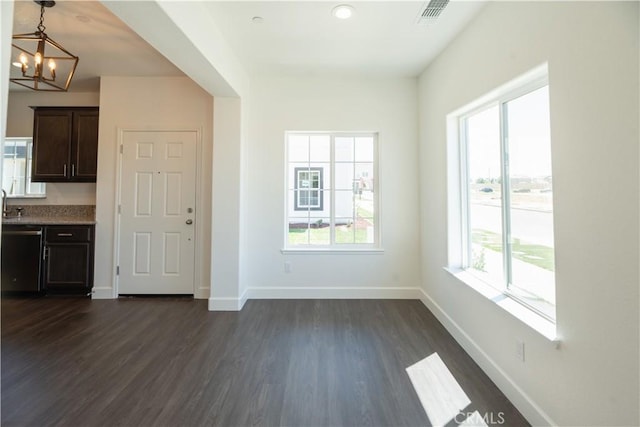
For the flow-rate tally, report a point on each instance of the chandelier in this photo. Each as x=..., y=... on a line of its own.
x=40, y=63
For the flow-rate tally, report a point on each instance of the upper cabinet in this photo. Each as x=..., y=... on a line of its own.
x=65, y=144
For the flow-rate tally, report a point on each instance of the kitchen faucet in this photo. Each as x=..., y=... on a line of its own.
x=4, y=203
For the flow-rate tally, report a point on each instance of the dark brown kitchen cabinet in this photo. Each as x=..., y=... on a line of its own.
x=65, y=144
x=68, y=259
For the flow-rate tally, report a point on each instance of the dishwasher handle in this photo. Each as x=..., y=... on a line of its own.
x=23, y=233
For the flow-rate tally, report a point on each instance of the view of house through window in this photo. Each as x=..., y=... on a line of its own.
x=331, y=190
x=16, y=169
x=308, y=192
x=509, y=206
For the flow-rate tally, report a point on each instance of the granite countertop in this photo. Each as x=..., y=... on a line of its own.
x=52, y=215
x=49, y=220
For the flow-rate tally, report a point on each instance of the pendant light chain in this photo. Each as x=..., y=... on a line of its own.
x=41, y=26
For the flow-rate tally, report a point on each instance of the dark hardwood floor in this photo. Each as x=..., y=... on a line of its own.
x=170, y=362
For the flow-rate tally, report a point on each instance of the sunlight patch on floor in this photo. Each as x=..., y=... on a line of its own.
x=439, y=392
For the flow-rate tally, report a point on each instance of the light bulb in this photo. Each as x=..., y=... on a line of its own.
x=343, y=11
x=23, y=59
x=52, y=68
x=38, y=58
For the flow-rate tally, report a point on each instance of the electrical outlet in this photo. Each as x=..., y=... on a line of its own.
x=287, y=267
x=520, y=350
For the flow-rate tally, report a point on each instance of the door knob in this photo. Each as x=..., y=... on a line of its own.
x=188, y=222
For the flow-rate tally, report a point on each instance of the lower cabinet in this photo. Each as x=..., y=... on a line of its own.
x=68, y=259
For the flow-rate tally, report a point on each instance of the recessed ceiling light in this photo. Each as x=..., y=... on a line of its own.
x=83, y=18
x=343, y=11
x=257, y=20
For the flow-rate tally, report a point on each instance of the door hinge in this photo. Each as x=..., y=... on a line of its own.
x=121, y=148
x=117, y=270
x=119, y=209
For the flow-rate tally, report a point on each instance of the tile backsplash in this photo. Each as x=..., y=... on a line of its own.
x=55, y=210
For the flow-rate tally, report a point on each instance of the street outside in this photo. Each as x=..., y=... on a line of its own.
x=527, y=224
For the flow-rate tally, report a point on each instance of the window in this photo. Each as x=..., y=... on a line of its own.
x=16, y=169
x=506, y=195
x=331, y=191
x=308, y=194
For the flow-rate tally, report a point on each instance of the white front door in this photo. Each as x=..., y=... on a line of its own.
x=157, y=212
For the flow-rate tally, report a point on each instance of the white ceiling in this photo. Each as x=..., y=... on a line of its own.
x=104, y=44
x=382, y=38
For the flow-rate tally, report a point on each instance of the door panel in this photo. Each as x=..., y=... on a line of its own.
x=158, y=183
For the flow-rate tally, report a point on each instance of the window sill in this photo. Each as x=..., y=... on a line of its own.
x=332, y=251
x=543, y=326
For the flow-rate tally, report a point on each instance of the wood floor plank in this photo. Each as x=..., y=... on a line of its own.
x=170, y=362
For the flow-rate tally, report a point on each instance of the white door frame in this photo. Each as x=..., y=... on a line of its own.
x=197, y=273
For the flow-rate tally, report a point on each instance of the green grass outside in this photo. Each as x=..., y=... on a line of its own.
x=321, y=236
x=538, y=255
x=363, y=213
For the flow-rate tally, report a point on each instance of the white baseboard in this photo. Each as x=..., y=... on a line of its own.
x=236, y=304
x=529, y=409
x=332, y=293
x=228, y=303
x=102, y=293
x=224, y=304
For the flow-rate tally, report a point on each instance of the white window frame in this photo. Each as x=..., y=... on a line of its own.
x=376, y=246
x=27, y=175
x=459, y=251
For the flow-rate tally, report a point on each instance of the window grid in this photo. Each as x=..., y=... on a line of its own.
x=335, y=187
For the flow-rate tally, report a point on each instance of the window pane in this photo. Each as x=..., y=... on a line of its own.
x=298, y=233
x=295, y=211
x=294, y=168
x=344, y=176
x=322, y=174
x=484, y=194
x=364, y=174
x=531, y=209
x=344, y=230
x=298, y=148
x=364, y=149
x=344, y=204
x=320, y=148
x=364, y=222
x=344, y=149
x=16, y=169
x=320, y=231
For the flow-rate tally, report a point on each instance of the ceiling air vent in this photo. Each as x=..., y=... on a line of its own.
x=431, y=11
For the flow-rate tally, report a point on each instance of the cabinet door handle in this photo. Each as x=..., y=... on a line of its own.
x=64, y=172
x=65, y=234
x=22, y=233
x=73, y=169
x=45, y=253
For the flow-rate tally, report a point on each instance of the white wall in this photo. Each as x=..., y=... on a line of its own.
x=226, y=292
x=151, y=104
x=6, y=19
x=20, y=123
x=592, y=50
x=191, y=40
x=294, y=103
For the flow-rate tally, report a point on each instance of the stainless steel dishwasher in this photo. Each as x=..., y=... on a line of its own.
x=21, y=258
